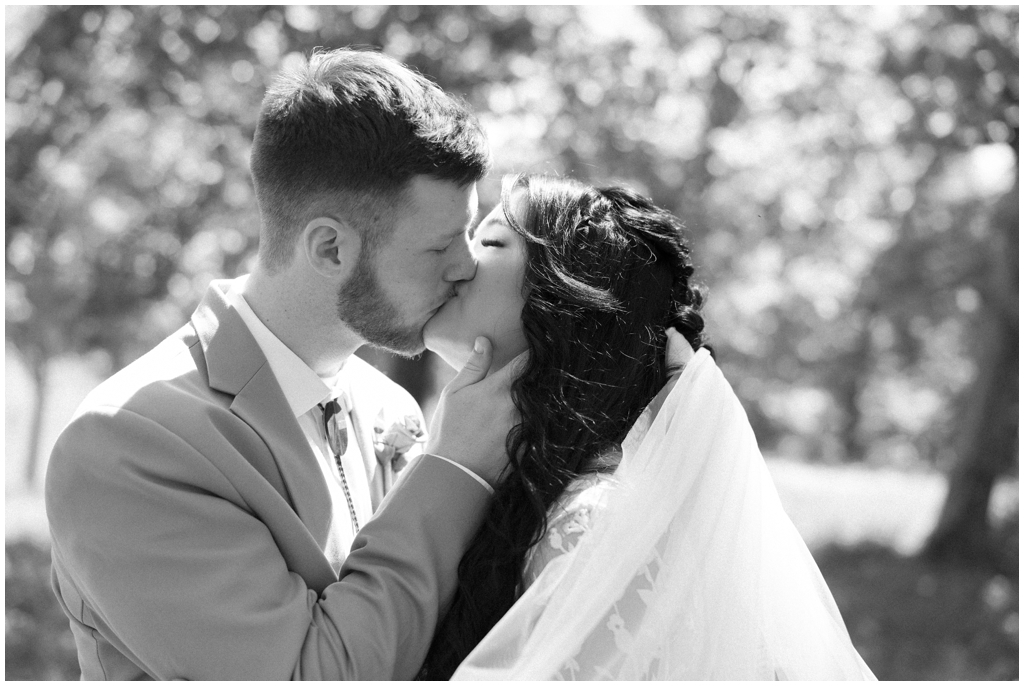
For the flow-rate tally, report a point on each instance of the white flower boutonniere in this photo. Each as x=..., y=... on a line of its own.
x=392, y=442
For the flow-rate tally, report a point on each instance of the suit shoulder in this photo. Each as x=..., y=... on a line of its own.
x=161, y=375
x=159, y=412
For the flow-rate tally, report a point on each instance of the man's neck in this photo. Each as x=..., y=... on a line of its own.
x=303, y=317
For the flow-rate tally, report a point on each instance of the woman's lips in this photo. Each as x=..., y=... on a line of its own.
x=448, y=300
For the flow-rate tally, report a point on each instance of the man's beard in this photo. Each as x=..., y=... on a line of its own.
x=366, y=308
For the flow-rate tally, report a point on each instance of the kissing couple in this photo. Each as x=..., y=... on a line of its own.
x=249, y=500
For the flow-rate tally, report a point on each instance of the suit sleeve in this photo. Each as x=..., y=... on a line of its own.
x=174, y=569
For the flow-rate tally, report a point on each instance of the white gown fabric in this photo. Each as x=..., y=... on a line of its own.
x=682, y=566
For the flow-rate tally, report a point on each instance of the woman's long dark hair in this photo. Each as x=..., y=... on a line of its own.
x=606, y=272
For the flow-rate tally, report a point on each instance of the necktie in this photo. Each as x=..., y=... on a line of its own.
x=335, y=426
x=336, y=430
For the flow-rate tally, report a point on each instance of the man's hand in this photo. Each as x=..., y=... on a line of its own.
x=474, y=415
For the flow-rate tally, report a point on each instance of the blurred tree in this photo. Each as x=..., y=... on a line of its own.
x=957, y=256
x=117, y=170
x=988, y=430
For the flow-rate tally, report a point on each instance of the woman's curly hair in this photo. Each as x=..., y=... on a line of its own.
x=606, y=273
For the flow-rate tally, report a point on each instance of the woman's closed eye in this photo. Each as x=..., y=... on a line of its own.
x=492, y=243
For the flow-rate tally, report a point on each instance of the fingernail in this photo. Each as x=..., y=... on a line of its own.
x=478, y=345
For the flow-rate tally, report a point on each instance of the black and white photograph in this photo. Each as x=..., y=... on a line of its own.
x=512, y=342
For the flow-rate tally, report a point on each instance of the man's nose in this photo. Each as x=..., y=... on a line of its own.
x=463, y=265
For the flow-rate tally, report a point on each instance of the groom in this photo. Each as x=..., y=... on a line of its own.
x=204, y=500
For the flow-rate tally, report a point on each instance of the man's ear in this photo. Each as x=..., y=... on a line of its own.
x=331, y=247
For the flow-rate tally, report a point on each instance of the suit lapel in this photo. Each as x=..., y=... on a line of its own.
x=237, y=366
x=262, y=405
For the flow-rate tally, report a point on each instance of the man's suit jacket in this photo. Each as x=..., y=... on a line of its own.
x=188, y=517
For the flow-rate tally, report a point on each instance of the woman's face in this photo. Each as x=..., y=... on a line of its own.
x=491, y=304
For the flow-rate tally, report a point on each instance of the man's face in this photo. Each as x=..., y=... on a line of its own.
x=393, y=292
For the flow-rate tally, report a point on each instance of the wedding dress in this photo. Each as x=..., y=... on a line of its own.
x=681, y=565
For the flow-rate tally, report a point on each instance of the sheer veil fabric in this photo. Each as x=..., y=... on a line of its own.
x=692, y=570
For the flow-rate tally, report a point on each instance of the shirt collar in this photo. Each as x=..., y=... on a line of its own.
x=339, y=388
x=303, y=389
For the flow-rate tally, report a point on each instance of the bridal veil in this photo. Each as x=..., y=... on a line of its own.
x=693, y=571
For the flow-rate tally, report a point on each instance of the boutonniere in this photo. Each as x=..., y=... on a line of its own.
x=393, y=441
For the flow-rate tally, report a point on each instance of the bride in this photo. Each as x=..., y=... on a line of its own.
x=636, y=533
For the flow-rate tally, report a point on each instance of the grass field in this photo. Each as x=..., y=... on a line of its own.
x=914, y=621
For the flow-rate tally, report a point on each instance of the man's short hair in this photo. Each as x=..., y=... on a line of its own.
x=350, y=129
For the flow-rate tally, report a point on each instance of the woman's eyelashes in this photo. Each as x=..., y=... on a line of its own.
x=492, y=243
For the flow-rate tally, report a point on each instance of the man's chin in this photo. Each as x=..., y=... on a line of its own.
x=407, y=348
x=407, y=343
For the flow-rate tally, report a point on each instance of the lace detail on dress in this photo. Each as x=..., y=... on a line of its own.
x=624, y=645
x=572, y=516
x=569, y=518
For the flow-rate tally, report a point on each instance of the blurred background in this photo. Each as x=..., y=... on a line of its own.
x=848, y=177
